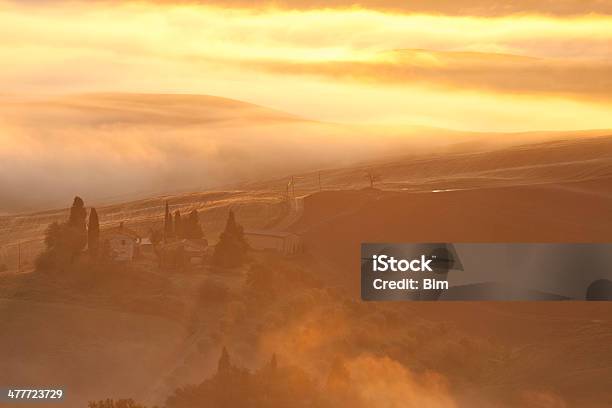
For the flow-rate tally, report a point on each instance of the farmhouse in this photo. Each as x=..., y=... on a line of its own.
x=183, y=252
x=146, y=247
x=283, y=242
x=122, y=243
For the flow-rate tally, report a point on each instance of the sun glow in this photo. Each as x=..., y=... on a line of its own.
x=345, y=64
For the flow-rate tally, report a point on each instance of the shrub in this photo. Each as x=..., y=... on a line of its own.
x=121, y=403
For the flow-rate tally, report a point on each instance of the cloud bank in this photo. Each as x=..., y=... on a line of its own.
x=491, y=70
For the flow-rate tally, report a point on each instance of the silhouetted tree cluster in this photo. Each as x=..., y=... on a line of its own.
x=190, y=227
x=231, y=249
x=271, y=386
x=372, y=178
x=109, y=403
x=64, y=242
x=178, y=224
x=181, y=227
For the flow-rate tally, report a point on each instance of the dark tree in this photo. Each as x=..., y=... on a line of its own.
x=52, y=235
x=268, y=387
x=231, y=249
x=372, y=178
x=54, y=254
x=224, y=365
x=64, y=242
x=191, y=226
x=168, y=227
x=93, y=233
x=178, y=225
x=78, y=214
x=77, y=222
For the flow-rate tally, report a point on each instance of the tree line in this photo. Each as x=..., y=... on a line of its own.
x=270, y=386
x=66, y=241
x=181, y=227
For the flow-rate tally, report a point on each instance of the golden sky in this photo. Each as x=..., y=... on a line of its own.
x=467, y=65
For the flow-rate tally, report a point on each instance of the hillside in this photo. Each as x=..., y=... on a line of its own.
x=113, y=148
x=336, y=223
x=529, y=160
x=164, y=323
x=574, y=170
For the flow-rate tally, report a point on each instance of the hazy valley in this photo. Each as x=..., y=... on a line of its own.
x=159, y=329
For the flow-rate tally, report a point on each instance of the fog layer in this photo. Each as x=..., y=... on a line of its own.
x=110, y=147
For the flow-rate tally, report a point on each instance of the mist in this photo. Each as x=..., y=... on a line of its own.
x=109, y=148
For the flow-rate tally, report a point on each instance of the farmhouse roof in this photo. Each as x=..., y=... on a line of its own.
x=120, y=230
x=187, y=244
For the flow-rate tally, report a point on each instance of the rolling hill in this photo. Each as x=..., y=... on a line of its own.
x=543, y=191
x=113, y=148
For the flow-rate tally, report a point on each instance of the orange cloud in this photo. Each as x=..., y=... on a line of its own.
x=466, y=70
x=327, y=64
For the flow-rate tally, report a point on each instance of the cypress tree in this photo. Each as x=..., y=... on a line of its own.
x=77, y=226
x=64, y=242
x=93, y=233
x=231, y=226
x=224, y=365
x=231, y=249
x=78, y=214
x=168, y=227
x=178, y=225
x=191, y=226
